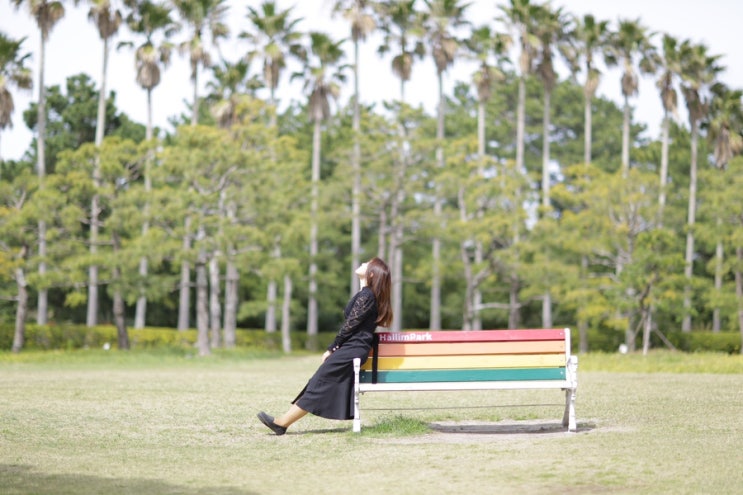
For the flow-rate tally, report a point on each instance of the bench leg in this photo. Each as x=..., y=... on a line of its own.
x=568, y=418
x=356, y=412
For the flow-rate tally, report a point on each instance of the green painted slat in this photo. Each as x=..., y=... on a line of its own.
x=470, y=375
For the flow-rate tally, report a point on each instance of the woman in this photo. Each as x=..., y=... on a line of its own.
x=329, y=393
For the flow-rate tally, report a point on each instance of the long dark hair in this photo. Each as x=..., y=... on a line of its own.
x=380, y=282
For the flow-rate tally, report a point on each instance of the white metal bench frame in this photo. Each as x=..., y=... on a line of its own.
x=569, y=385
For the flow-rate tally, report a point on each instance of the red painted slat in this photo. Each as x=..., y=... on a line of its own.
x=472, y=336
x=463, y=348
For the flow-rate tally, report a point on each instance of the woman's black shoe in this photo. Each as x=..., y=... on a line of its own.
x=268, y=421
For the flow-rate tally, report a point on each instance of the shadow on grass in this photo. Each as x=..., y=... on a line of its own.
x=309, y=432
x=525, y=428
x=24, y=479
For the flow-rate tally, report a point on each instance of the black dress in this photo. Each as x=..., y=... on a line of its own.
x=329, y=393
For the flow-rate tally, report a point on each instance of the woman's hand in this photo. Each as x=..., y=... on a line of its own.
x=326, y=355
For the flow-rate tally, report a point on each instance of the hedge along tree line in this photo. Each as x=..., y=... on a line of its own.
x=241, y=194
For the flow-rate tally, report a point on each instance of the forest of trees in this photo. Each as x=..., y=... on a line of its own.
x=526, y=200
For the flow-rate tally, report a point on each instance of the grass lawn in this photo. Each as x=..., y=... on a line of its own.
x=91, y=422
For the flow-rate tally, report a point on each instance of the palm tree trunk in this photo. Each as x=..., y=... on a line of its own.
x=202, y=305
x=587, y=152
x=92, y=311
x=272, y=288
x=547, y=297
x=469, y=280
x=231, y=285
x=663, y=167
x=272, y=291
x=625, y=137
x=21, y=310
x=396, y=234
x=312, y=315
x=141, y=308
x=546, y=150
x=716, y=323
x=588, y=131
x=184, y=290
x=646, y=328
x=356, y=166
x=435, y=318
x=582, y=323
x=215, y=310
x=382, y=233
x=43, y=296
x=521, y=124
x=286, y=340
x=118, y=298
x=477, y=294
x=195, y=109
x=689, y=257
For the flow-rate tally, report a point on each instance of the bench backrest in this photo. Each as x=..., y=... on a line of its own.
x=466, y=356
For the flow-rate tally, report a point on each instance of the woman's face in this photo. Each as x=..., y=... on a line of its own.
x=361, y=272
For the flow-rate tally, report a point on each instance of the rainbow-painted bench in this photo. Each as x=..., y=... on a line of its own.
x=469, y=360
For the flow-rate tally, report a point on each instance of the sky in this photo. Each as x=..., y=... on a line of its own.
x=74, y=47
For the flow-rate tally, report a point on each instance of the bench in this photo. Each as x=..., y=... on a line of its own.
x=469, y=360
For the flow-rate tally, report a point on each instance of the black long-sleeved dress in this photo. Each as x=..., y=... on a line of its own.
x=329, y=393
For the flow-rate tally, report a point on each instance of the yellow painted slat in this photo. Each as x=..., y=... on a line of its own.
x=464, y=348
x=471, y=361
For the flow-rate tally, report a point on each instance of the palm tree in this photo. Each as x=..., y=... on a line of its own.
x=400, y=24
x=591, y=37
x=107, y=20
x=13, y=72
x=148, y=19
x=631, y=42
x=482, y=44
x=47, y=14
x=440, y=18
x=229, y=84
x=520, y=16
x=323, y=76
x=698, y=72
x=201, y=15
x=724, y=128
x=275, y=38
x=669, y=65
x=551, y=28
x=362, y=23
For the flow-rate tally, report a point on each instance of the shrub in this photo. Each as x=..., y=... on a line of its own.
x=70, y=336
x=728, y=342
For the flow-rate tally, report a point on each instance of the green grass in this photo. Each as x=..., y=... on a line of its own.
x=162, y=422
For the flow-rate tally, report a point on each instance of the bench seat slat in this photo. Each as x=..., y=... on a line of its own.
x=475, y=375
x=471, y=336
x=468, y=362
x=448, y=349
x=443, y=386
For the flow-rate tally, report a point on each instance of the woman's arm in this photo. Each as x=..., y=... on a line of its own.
x=362, y=307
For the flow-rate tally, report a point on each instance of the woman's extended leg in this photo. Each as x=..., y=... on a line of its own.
x=294, y=414
x=279, y=425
